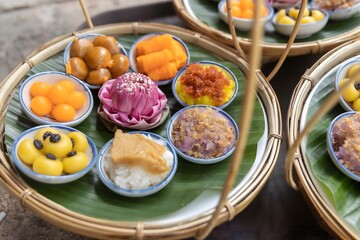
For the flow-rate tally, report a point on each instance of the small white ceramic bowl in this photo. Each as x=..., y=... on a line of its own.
x=91, y=153
x=132, y=53
x=225, y=70
x=52, y=78
x=243, y=24
x=105, y=151
x=341, y=14
x=175, y=117
x=305, y=30
x=90, y=37
x=331, y=150
x=342, y=74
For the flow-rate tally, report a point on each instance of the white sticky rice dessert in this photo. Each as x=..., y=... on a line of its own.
x=136, y=177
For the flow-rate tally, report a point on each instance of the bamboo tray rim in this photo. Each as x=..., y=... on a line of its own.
x=269, y=49
x=296, y=118
x=87, y=225
x=304, y=141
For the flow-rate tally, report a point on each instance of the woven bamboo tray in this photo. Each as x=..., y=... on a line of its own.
x=202, y=16
x=329, y=193
x=103, y=219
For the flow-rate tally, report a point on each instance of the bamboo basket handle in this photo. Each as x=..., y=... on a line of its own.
x=290, y=41
x=233, y=31
x=246, y=116
x=288, y=45
x=86, y=14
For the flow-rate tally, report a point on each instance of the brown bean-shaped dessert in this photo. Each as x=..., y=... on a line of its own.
x=98, y=76
x=98, y=57
x=120, y=64
x=80, y=47
x=108, y=42
x=77, y=67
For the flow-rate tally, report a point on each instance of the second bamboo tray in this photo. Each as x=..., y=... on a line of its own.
x=202, y=16
x=333, y=196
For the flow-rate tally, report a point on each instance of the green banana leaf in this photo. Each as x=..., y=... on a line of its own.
x=342, y=192
x=207, y=12
x=90, y=197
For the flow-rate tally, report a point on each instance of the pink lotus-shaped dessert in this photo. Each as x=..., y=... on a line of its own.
x=132, y=100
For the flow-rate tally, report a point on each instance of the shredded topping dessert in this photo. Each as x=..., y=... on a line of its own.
x=205, y=81
x=333, y=5
x=346, y=142
x=203, y=133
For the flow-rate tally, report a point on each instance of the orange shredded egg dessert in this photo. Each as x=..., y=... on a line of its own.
x=205, y=84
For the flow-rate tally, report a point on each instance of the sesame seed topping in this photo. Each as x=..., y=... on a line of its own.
x=132, y=83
